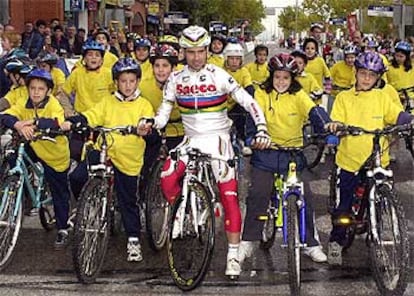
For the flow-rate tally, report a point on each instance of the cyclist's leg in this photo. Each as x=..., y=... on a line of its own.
x=126, y=188
x=172, y=173
x=79, y=176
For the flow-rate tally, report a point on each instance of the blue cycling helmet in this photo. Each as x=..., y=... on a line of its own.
x=48, y=58
x=371, y=61
x=403, y=46
x=26, y=69
x=232, y=40
x=42, y=75
x=126, y=65
x=142, y=42
x=14, y=66
x=93, y=45
x=351, y=49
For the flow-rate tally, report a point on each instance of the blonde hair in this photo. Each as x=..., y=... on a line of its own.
x=14, y=38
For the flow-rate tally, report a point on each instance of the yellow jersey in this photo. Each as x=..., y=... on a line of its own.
x=153, y=93
x=126, y=152
x=318, y=68
x=58, y=78
x=89, y=87
x=216, y=59
x=308, y=83
x=243, y=78
x=258, y=72
x=399, y=78
x=54, y=154
x=343, y=75
x=16, y=94
x=372, y=109
x=285, y=114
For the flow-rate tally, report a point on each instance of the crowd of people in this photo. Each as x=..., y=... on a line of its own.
x=196, y=87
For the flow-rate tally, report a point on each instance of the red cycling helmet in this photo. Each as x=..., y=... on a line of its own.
x=283, y=62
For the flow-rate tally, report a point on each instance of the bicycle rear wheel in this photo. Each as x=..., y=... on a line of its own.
x=91, y=231
x=390, y=253
x=47, y=211
x=156, y=210
x=10, y=224
x=293, y=245
x=189, y=253
x=314, y=151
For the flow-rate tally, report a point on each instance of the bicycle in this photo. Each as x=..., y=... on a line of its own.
x=95, y=209
x=192, y=220
x=287, y=211
x=378, y=212
x=407, y=100
x=17, y=185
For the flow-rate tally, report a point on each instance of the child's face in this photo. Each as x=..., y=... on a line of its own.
x=45, y=66
x=366, y=79
x=127, y=83
x=301, y=64
x=93, y=59
x=37, y=90
x=261, y=57
x=400, y=57
x=281, y=81
x=162, y=69
x=141, y=53
x=350, y=59
x=216, y=46
x=101, y=39
x=310, y=49
x=234, y=63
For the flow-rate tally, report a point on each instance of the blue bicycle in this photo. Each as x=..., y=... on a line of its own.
x=19, y=183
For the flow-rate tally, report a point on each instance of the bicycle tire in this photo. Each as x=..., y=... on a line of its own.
x=188, y=266
x=268, y=232
x=156, y=210
x=47, y=211
x=314, y=148
x=91, y=232
x=10, y=225
x=390, y=269
x=293, y=243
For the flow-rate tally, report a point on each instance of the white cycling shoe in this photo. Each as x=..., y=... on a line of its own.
x=233, y=268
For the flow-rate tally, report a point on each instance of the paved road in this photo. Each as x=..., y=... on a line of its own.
x=39, y=270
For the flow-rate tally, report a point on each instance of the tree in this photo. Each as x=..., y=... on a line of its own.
x=289, y=23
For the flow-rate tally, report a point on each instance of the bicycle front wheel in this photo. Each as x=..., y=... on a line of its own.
x=293, y=245
x=91, y=231
x=156, y=210
x=10, y=223
x=190, y=247
x=390, y=252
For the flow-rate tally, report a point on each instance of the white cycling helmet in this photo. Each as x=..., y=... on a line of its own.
x=233, y=50
x=194, y=36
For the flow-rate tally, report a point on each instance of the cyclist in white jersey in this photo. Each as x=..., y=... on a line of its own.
x=200, y=90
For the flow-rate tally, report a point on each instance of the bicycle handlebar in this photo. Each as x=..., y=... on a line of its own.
x=197, y=153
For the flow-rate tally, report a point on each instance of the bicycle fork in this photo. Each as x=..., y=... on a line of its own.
x=301, y=206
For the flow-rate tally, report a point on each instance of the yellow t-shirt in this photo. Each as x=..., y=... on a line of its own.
x=242, y=76
x=151, y=91
x=399, y=78
x=108, y=61
x=259, y=73
x=90, y=87
x=58, y=78
x=308, y=82
x=285, y=114
x=125, y=152
x=318, y=68
x=393, y=94
x=216, y=59
x=146, y=69
x=343, y=75
x=372, y=109
x=55, y=154
x=16, y=94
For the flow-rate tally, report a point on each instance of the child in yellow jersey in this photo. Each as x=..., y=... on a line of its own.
x=47, y=61
x=316, y=65
x=306, y=80
x=367, y=107
x=217, y=45
x=233, y=64
x=110, y=58
x=343, y=72
x=142, y=50
x=42, y=110
x=163, y=58
x=125, y=107
x=401, y=73
x=258, y=69
x=16, y=71
x=285, y=106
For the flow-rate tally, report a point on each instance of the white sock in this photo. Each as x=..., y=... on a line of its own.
x=233, y=250
x=133, y=239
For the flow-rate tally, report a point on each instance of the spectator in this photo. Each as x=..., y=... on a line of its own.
x=80, y=40
x=1, y=33
x=60, y=42
x=75, y=44
x=54, y=22
x=9, y=28
x=33, y=39
x=47, y=45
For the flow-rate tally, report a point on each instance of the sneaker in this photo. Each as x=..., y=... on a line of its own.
x=61, y=239
x=245, y=250
x=134, y=251
x=233, y=268
x=316, y=254
x=334, y=253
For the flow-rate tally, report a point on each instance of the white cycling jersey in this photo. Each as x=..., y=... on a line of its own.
x=202, y=100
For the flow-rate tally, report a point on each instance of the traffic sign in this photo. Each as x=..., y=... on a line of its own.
x=374, y=10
